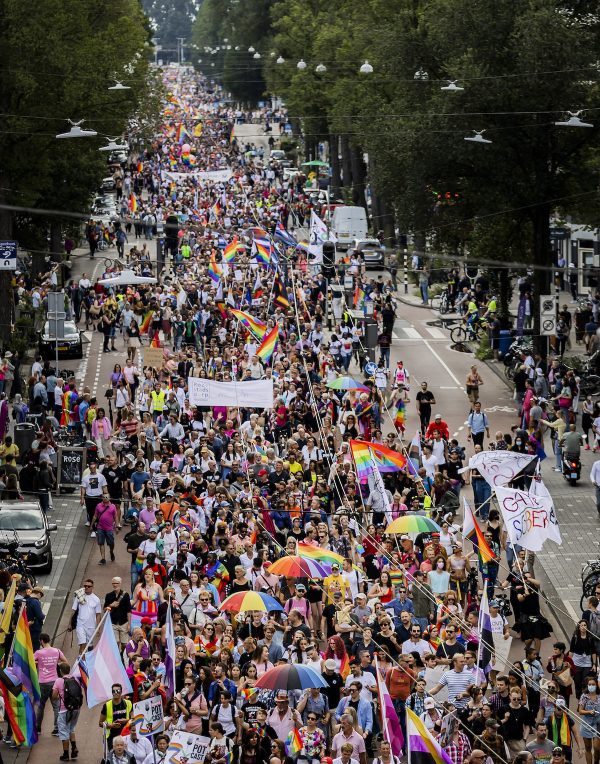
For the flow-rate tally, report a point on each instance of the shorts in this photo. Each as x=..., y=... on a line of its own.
x=105, y=537
x=67, y=721
x=84, y=633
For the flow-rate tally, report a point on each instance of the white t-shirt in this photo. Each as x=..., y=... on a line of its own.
x=367, y=680
x=93, y=485
x=353, y=579
x=87, y=610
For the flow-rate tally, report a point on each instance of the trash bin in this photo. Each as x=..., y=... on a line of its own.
x=505, y=341
x=24, y=437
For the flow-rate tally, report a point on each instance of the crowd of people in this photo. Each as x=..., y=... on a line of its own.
x=215, y=495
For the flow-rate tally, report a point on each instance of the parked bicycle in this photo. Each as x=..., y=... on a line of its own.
x=590, y=577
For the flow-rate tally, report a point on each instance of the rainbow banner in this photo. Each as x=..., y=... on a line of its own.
x=258, y=328
x=268, y=345
x=214, y=269
x=133, y=203
x=473, y=532
x=155, y=341
x=293, y=743
x=23, y=664
x=21, y=714
x=232, y=249
x=263, y=251
x=359, y=297
x=369, y=456
x=145, y=325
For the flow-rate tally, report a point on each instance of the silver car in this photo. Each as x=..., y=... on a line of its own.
x=24, y=522
x=372, y=251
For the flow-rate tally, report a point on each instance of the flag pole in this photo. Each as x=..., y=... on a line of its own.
x=97, y=629
x=479, y=619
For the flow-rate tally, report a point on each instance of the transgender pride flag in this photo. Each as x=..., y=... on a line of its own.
x=390, y=724
x=105, y=668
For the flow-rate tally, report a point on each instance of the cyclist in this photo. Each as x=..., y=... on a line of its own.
x=491, y=307
x=472, y=315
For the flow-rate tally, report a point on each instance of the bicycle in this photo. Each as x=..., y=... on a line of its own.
x=468, y=332
x=590, y=578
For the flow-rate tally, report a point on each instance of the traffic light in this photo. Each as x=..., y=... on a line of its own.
x=329, y=260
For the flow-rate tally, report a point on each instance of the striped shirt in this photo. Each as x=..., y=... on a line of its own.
x=457, y=682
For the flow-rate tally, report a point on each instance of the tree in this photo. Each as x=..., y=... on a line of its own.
x=170, y=20
x=58, y=63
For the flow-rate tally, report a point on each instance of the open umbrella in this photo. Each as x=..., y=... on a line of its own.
x=126, y=277
x=321, y=555
x=347, y=383
x=295, y=566
x=292, y=676
x=241, y=602
x=412, y=524
x=315, y=163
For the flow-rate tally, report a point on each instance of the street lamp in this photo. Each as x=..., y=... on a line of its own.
x=256, y=55
x=114, y=146
x=301, y=65
x=280, y=60
x=76, y=131
x=421, y=75
x=320, y=68
x=574, y=120
x=366, y=68
x=119, y=86
x=477, y=137
x=251, y=49
x=451, y=87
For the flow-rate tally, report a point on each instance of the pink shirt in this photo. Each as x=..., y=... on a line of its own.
x=46, y=660
x=106, y=514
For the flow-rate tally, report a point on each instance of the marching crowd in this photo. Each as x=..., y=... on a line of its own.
x=215, y=496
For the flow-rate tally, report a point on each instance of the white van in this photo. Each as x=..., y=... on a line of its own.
x=348, y=223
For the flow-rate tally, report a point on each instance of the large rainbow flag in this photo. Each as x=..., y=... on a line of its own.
x=258, y=328
x=473, y=532
x=369, y=456
x=20, y=713
x=268, y=345
x=23, y=664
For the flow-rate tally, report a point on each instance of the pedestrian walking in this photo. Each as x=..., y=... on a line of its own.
x=104, y=522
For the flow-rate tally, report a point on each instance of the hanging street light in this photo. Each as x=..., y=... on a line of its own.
x=574, y=120
x=119, y=86
x=280, y=60
x=76, y=131
x=301, y=64
x=477, y=137
x=320, y=68
x=452, y=87
x=366, y=68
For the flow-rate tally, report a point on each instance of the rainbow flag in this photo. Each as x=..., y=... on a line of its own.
x=359, y=297
x=248, y=692
x=214, y=269
x=400, y=415
x=21, y=714
x=145, y=325
x=268, y=345
x=473, y=532
x=232, y=249
x=368, y=456
x=345, y=667
x=133, y=204
x=263, y=251
x=293, y=743
x=181, y=134
x=396, y=577
x=216, y=209
x=258, y=328
x=23, y=664
x=155, y=341
x=259, y=233
x=5, y=627
x=140, y=167
x=423, y=748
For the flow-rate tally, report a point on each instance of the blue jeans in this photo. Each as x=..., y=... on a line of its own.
x=425, y=293
x=385, y=355
x=558, y=454
x=482, y=491
x=135, y=575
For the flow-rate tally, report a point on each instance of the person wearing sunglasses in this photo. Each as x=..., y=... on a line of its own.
x=115, y=714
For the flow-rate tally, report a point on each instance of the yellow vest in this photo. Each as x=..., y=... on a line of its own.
x=158, y=400
x=109, y=712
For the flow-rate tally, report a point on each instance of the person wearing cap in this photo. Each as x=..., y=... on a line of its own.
x=440, y=425
x=334, y=582
x=282, y=718
x=431, y=716
x=562, y=730
x=540, y=747
x=169, y=506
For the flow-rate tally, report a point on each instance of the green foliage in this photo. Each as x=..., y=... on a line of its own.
x=169, y=20
x=58, y=63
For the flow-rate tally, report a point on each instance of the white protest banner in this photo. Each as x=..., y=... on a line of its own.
x=318, y=234
x=379, y=500
x=529, y=519
x=499, y=467
x=257, y=394
x=148, y=716
x=186, y=747
x=215, y=176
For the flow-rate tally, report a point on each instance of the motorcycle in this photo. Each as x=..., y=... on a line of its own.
x=571, y=468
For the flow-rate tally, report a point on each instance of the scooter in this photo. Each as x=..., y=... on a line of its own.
x=571, y=468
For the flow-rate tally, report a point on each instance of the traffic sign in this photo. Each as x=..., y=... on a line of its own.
x=8, y=255
x=547, y=315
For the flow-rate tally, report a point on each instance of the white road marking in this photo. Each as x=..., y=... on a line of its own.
x=411, y=333
x=569, y=607
x=449, y=387
x=436, y=333
x=443, y=363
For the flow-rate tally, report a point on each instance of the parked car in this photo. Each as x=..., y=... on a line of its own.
x=25, y=523
x=349, y=224
x=276, y=155
x=372, y=251
x=69, y=346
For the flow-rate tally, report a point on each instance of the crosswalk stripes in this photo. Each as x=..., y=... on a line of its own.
x=424, y=333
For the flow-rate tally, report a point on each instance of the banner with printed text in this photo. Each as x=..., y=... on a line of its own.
x=186, y=747
x=257, y=394
x=499, y=467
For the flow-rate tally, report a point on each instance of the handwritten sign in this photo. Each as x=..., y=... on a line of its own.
x=251, y=394
x=499, y=467
x=154, y=357
x=529, y=519
x=148, y=716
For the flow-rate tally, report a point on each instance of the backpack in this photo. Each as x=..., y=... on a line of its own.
x=217, y=710
x=594, y=624
x=73, y=694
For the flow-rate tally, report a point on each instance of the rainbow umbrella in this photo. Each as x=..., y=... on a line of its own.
x=240, y=602
x=412, y=524
x=325, y=556
x=347, y=383
x=295, y=566
x=292, y=676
